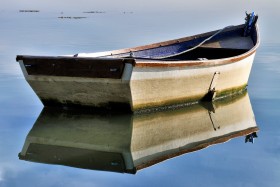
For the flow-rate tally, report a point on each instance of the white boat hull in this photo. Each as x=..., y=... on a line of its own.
x=159, y=86
x=143, y=87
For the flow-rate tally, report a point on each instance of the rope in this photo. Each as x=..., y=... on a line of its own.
x=188, y=50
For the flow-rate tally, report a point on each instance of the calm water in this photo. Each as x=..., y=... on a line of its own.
x=23, y=119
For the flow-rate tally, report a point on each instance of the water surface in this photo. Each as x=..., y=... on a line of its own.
x=232, y=163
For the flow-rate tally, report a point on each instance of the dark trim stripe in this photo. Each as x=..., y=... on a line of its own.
x=75, y=67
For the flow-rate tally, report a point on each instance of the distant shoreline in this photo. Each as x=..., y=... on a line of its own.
x=29, y=10
x=95, y=12
x=70, y=17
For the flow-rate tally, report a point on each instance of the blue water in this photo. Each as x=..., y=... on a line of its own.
x=233, y=163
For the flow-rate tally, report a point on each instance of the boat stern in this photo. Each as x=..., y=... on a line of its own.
x=79, y=82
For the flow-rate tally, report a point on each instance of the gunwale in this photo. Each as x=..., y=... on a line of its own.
x=201, y=63
x=139, y=62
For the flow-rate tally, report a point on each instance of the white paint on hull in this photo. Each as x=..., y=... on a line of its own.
x=156, y=86
x=141, y=87
x=82, y=91
x=94, y=92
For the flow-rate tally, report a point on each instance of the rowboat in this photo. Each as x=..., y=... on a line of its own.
x=128, y=143
x=207, y=66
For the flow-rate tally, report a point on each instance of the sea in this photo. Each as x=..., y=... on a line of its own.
x=232, y=143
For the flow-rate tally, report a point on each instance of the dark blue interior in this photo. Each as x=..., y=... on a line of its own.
x=200, y=52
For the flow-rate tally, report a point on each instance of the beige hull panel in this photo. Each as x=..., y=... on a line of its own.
x=157, y=86
x=79, y=91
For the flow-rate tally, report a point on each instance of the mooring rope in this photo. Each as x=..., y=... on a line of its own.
x=188, y=50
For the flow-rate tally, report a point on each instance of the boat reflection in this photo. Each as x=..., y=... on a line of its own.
x=127, y=143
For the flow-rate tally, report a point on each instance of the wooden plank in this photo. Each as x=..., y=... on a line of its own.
x=75, y=67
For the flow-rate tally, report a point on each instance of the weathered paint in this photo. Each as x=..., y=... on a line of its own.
x=155, y=86
x=141, y=87
x=80, y=91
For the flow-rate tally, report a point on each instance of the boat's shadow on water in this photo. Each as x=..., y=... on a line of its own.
x=127, y=143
